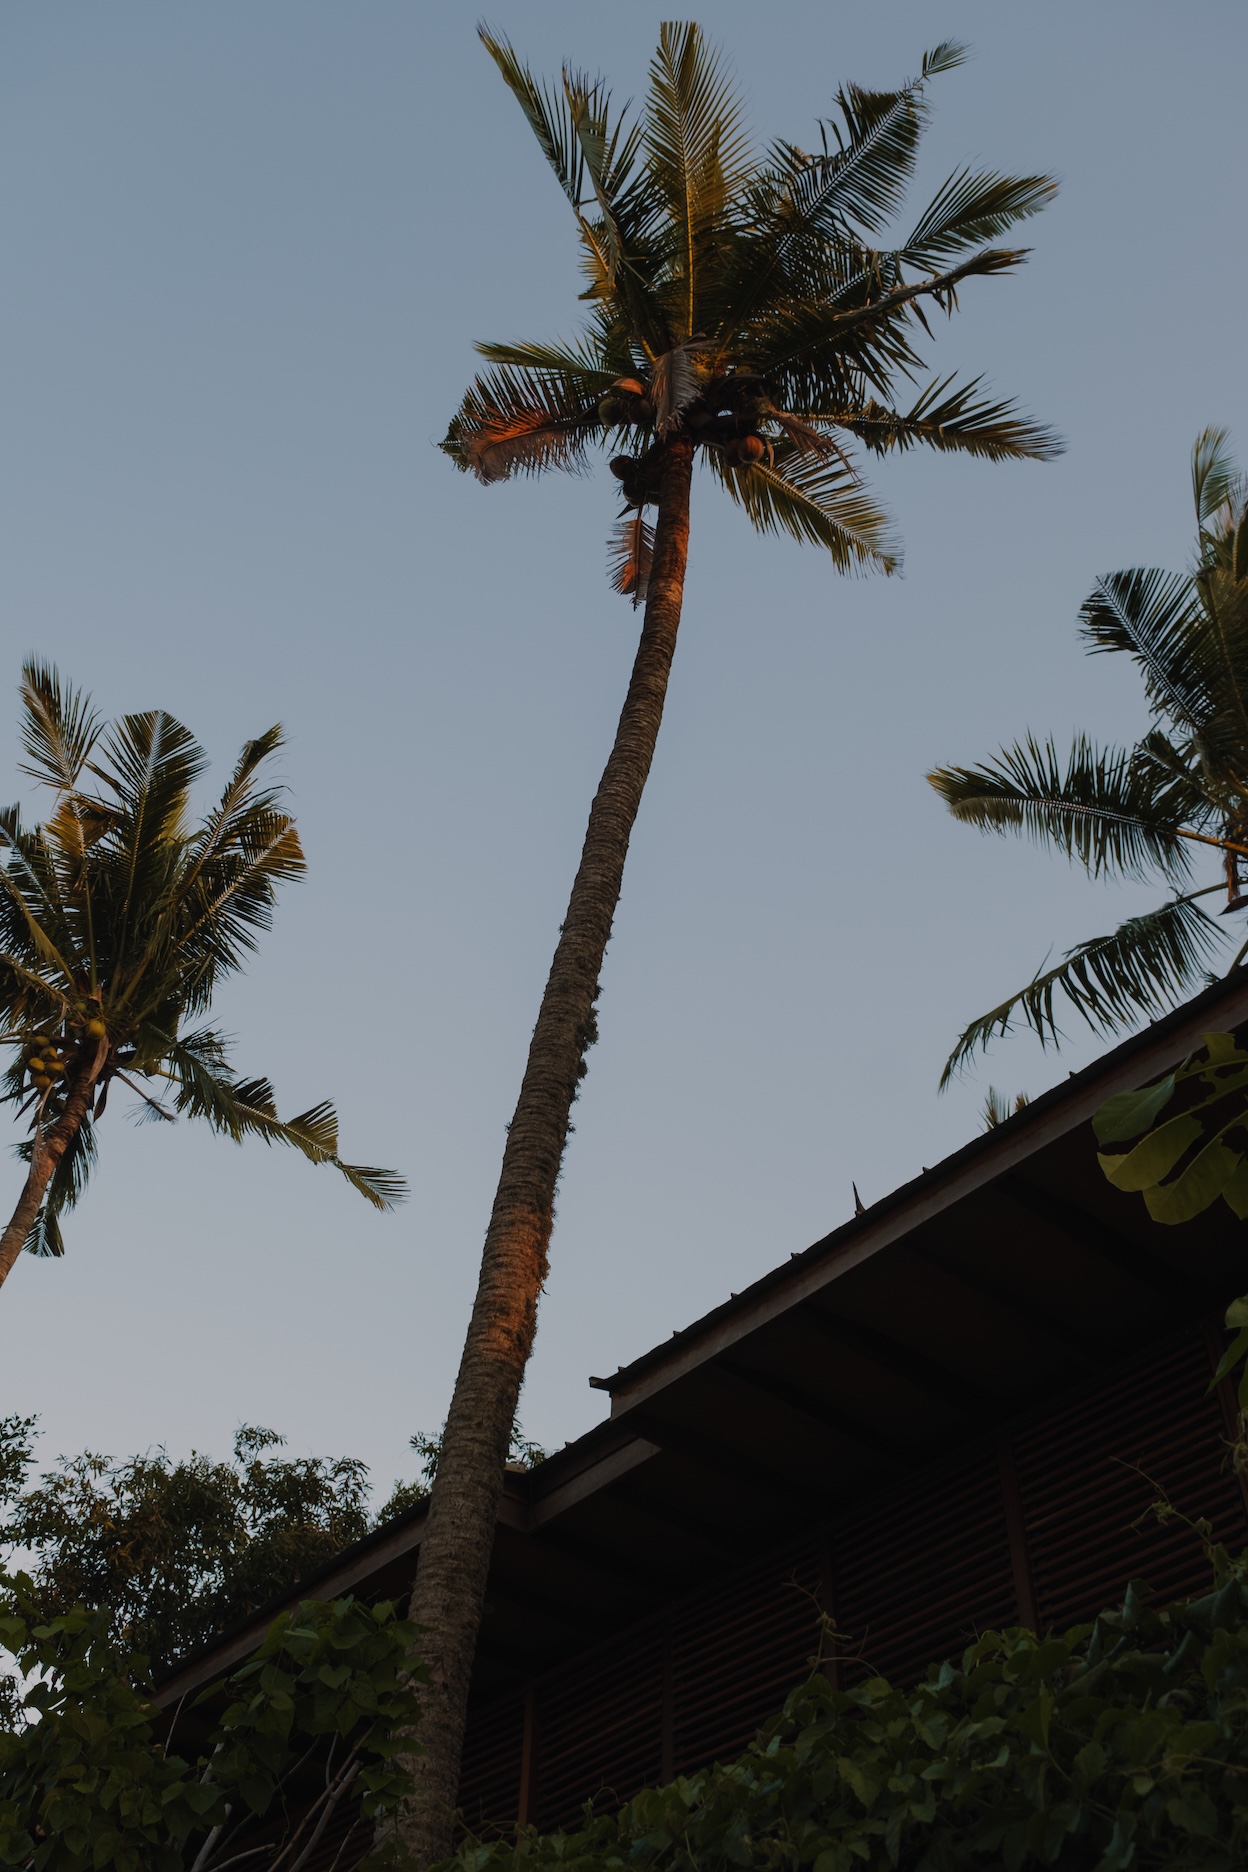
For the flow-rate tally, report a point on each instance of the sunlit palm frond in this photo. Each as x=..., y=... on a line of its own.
x=959, y=420
x=59, y=727
x=816, y=501
x=1105, y=809
x=1138, y=970
x=697, y=158
x=973, y=207
x=512, y=422
x=630, y=551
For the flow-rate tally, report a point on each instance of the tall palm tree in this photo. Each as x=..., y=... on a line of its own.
x=747, y=308
x=118, y=918
x=1148, y=811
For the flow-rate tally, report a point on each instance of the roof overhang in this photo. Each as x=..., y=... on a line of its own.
x=1003, y=1277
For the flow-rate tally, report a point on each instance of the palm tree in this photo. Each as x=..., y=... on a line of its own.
x=118, y=918
x=748, y=309
x=1150, y=810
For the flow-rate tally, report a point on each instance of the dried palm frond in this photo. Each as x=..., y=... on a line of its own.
x=631, y=549
x=808, y=440
x=674, y=385
x=520, y=422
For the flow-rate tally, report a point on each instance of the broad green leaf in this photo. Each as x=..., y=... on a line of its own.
x=1224, y=1050
x=1200, y=1185
x=1128, y=1113
x=1237, y=1350
x=1153, y=1156
x=1235, y=1190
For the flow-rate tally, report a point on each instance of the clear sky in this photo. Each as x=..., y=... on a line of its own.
x=244, y=252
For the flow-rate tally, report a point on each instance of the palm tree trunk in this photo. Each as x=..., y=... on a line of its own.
x=48, y=1151
x=463, y=1506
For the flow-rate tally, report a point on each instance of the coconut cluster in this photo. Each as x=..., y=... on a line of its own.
x=47, y=1054
x=728, y=416
x=45, y=1061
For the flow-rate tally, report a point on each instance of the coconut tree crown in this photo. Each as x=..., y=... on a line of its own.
x=747, y=301
x=119, y=918
x=1151, y=810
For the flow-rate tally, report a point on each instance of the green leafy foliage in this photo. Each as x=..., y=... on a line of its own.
x=1183, y=1163
x=304, y=1736
x=748, y=297
x=177, y=1551
x=119, y=918
x=1147, y=811
x=1123, y=1744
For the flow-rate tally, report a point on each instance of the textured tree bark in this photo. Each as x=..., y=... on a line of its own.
x=47, y=1154
x=463, y=1506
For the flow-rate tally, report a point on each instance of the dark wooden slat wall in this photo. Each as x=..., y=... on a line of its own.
x=1050, y=1523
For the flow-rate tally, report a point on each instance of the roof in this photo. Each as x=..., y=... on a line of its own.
x=1005, y=1276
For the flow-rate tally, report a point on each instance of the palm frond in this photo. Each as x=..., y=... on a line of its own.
x=1153, y=617
x=65, y=1187
x=574, y=131
x=1216, y=479
x=806, y=439
x=1105, y=809
x=859, y=178
x=970, y=208
x=1181, y=773
x=956, y=420
x=242, y=1108
x=696, y=154
x=243, y=818
x=609, y=154
x=631, y=550
x=568, y=362
x=59, y=727
x=797, y=342
x=549, y=117
x=674, y=384
x=1141, y=968
x=234, y=895
x=817, y=502
x=513, y=422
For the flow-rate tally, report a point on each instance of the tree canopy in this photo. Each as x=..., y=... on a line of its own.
x=766, y=304
x=119, y=918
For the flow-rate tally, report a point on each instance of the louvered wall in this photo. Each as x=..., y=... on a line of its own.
x=1046, y=1528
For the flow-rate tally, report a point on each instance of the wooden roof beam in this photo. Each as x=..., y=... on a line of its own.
x=972, y=1400
x=744, y=1473
x=816, y=1410
x=1142, y=1263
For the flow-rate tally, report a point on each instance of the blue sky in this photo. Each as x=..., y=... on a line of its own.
x=246, y=251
